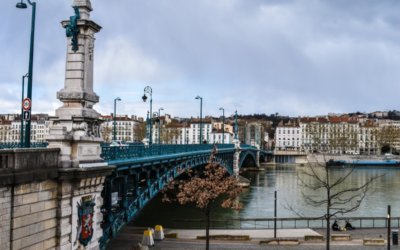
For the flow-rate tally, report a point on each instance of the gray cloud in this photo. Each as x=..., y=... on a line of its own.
x=292, y=57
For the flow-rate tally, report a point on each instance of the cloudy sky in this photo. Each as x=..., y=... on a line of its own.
x=294, y=57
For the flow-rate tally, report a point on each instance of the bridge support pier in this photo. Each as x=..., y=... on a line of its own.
x=258, y=157
x=236, y=158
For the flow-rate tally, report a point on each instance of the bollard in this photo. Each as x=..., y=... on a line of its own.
x=148, y=238
x=158, y=233
x=395, y=237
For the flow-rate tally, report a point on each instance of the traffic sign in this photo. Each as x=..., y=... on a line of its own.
x=26, y=104
x=27, y=115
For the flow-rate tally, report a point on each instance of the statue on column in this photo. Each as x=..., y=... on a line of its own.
x=72, y=29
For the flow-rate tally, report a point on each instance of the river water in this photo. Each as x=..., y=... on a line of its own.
x=258, y=199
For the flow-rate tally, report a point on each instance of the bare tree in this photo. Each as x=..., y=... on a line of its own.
x=388, y=136
x=205, y=190
x=337, y=194
x=170, y=134
x=106, y=133
x=139, y=131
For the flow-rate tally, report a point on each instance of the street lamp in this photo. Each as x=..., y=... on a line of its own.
x=115, y=118
x=159, y=124
x=22, y=111
x=236, y=126
x=223, y=124
x=22, y=5
x=201, y=121
x=149, y=90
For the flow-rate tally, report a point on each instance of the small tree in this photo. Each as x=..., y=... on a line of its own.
x=336, y=194
x=106, y=133
x=388, y=136
x=139, y=131
x=206, y=190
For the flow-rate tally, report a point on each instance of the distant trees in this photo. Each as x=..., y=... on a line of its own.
x=388, y=137
x=106, y=133
x=169, y=134
x=139, y=131
x=206, y=190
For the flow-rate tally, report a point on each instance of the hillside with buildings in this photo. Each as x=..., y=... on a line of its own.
x=352, y=133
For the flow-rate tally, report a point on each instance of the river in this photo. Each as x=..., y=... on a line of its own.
x=258, y=199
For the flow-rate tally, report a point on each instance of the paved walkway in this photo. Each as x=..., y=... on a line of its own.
x=130, y=236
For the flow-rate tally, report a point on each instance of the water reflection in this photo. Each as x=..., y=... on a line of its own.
x=258, y=200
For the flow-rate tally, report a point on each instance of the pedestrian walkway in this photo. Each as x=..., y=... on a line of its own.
x=187, y=239
x=253, y=234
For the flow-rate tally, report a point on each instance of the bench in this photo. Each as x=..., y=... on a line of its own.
x=374, y=242
x=340, y=237
x=281, y=241
x=313, y=238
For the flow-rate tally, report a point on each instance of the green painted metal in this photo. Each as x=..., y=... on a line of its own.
x=115, y=118
x=27, y=139
x=11, y=145
x=112, y=153
x=201, y=118
x=22, y=109
x=148, y=90
x=142, y=171
x=72, y=29
x=223, y=125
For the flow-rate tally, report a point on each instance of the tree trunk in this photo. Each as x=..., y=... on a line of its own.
x=328, y=215
x=208, y=228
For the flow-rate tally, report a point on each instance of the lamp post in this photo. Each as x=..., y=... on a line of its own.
x=22, y=5
x=22, y=111
x=223, y=124
x=148, y=90
x=201, y=118
x=236, y=126
x=159, y=125
x=115, y=118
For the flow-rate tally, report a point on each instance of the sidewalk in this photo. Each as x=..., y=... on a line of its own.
x=187, y=239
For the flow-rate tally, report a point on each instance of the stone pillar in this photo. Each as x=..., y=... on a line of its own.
x=236, y=157
x=76, y=132
x=258, y=156
x=76, y=125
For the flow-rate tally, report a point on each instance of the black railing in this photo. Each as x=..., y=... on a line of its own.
x=285, y=223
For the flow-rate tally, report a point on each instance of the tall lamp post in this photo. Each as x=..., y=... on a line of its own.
x=236, y=126
x=115, y=118
x=159, y=125
x=22, y=111
x=223, y=124
x=22, y=5
x=201, y=118
x=148, y=90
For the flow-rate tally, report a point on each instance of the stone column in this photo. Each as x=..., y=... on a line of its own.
x=236, y=157
x=76, y=132
x=76, y=125
x=258, y=156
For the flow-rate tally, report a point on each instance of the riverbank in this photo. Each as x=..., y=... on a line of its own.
x=322, y=158
x=187, y=239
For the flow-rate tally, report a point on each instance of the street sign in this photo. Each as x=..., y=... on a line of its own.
x=27, y=115
x=26, y=104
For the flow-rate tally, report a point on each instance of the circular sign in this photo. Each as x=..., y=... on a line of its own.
x=26, y=104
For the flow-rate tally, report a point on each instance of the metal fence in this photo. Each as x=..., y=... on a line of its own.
x=11, y=145
x=286, y=223
x=140, y=150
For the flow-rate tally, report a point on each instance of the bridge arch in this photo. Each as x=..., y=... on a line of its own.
x=248, y=158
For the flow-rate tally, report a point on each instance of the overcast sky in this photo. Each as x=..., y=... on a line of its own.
x=294, y=57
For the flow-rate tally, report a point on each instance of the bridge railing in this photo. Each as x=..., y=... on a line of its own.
x=110, y=153
x=10, y=145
